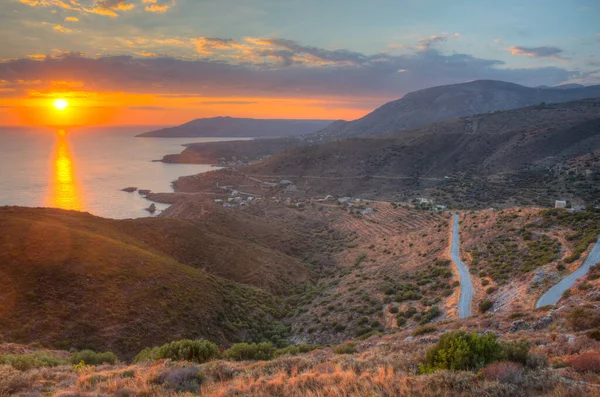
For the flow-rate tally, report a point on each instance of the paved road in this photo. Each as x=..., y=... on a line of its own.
x=553, y=294
x=466, y=286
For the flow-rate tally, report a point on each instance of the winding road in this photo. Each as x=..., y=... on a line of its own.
x=553, y=294
x=466, y=286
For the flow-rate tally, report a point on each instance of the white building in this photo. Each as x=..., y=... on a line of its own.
x=560, y=204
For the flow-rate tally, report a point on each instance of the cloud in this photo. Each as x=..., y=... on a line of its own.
x=537, y=52
x=62, y=29
x=71, y=19
x=340, y=74
x=209, y=45
x=429, y=42
x=158, y=6
x=228, y=102
x=110, y=8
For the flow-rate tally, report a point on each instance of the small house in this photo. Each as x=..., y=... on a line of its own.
x=560, y=204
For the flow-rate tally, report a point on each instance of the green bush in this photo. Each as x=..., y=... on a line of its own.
x=295, y=349
x=346, y=348
x=432, y=313
x=485, y=305
x=516, y=351
x=400, y=320
x=425, y=329
x=250, y=351
x=92, y=358
x=199, y=351
x=24, y=362
x=458, y=350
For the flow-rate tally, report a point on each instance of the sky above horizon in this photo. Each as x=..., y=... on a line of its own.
x=163, y=62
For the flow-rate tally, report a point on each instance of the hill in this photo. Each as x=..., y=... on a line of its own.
x=436, y=104
x=72, y=279
x=538, y=153
x=414, y=110
x=239, y=127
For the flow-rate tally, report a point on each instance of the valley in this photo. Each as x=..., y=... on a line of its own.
x=365, y=259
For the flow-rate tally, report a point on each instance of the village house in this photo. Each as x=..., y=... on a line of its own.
x=560, y=204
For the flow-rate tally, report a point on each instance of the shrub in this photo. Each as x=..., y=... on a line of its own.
x=425, y=329
x=90, y=357
x=586, y=362
x=400, y=320
x=432, y=313
x=490, y=290
x=560, y=267
x=594, y=334
x=485, y=305
x=458, y=350
x=199, y=351
x=582, y=319
x=346, y=348
x=295, y=349
x=516, y=351
x=186, y=379
x=535, y=361
x=250, y=351
x=394, y=309
x=24, y=362
x=504, y=372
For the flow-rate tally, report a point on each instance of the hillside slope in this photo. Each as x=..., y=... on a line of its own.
x=72, y=279
x=415, y=109
x=477, y=156
x=239, y=127
x=436, y=104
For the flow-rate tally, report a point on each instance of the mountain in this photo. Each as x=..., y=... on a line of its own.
x=436, y=104
x=414, y=110
x=73, y=279
x=485, y=157
x=239, y=127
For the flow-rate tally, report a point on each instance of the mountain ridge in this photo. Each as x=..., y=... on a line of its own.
x=226, y=126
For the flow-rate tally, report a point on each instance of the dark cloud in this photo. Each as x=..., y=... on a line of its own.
x=302, y=72
x=537, y=52
x=313, y=53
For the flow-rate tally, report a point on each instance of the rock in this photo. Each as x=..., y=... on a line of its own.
x=408, y=339
x=429, y=339
x=152, y=208
x=367, y=211
x=144, y=192
x=542, y=323
x=519, y=325
x=129, y=189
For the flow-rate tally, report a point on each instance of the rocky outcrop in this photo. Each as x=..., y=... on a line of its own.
x=520, y=325
x=542, y=323
x=152, y=208
x=129, y=189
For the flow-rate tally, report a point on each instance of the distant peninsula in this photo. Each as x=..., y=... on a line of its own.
x=240, y=128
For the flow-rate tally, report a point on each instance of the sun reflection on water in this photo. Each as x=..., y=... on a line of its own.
x=64, y=189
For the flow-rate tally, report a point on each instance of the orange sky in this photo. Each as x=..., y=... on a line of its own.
x=93, y=108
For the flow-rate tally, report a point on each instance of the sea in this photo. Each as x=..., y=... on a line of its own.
x=85, y=169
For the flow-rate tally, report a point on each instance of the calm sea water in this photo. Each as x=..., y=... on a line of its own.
x=85, y=169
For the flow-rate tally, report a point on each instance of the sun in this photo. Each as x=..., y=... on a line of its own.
x=60, y=104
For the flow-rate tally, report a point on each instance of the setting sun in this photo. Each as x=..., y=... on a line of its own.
x=60, y=104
